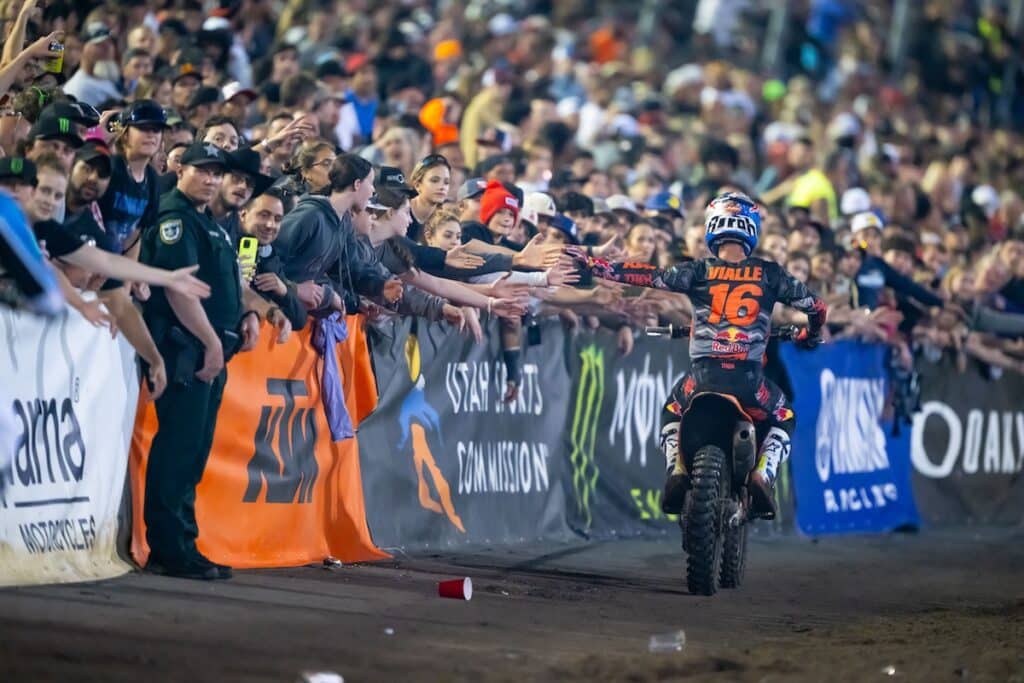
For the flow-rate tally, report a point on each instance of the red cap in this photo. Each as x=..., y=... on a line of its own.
x=495, y=198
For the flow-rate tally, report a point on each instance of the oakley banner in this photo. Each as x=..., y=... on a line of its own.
x=850, y=473
x=968, y=445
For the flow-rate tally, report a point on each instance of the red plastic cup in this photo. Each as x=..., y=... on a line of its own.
x=456, y=589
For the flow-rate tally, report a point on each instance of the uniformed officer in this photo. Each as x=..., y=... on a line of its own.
x=196, y=340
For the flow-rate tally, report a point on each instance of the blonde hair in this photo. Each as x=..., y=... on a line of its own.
x=437, y=219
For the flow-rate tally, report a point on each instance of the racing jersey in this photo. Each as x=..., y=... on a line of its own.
x=732, y=302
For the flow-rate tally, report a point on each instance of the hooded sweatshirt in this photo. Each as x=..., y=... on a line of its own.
x=317, y=244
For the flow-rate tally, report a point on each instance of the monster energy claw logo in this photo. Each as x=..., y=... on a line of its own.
x=64, y=125
x=587, y=414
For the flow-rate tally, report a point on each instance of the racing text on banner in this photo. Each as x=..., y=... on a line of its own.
x=849, y=472
x=73, y=391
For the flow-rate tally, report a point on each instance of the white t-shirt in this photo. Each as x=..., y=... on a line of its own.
x=91, y=90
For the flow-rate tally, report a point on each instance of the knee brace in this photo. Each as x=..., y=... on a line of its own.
x=670, y=447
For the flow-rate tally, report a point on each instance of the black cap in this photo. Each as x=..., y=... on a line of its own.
x=205, y=94
x=18, y=168
x=393, y=179
x=283, y=46
x=174, y=25
x=144, y=113
x=246, y=160
x=79, y=112
x=204, y=154
x=95, y=151
x=51, y=127
x=329, y=68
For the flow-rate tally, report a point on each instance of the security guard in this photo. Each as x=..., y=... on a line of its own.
x=196, y=340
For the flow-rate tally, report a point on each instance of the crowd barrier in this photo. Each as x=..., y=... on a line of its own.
x=71, y=387
x=441, y=459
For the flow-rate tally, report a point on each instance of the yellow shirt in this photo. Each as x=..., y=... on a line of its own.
x=812, y=186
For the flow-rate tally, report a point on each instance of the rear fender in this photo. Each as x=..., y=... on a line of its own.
x=714, y=419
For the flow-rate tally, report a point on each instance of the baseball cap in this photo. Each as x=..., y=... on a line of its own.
x=356, y=62
x=204, y=154
x=528, y=215
x=330, y=68
x=234, y=89
x=471, y=189
x=542, y=203
x=144, y=113
x=854, y=200
x=51, y=127
x=204, y=94
x=93, y=151
x=566, y=226
x=18, y=168
x=667, y=202
x=95, y=32
x=79, y=112
x=393, y=179
x=865, y=220
x=620, y=202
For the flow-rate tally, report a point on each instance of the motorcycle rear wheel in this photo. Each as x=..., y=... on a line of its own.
x=734, y=556
x=710, y=488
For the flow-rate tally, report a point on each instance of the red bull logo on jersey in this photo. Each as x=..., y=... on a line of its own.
x=731, y=340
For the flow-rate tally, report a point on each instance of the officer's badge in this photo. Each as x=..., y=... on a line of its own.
x=170, y=232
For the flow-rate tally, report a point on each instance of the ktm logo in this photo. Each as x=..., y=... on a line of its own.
x=284, y=459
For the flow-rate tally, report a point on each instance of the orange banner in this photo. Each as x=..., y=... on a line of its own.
x=276, y=491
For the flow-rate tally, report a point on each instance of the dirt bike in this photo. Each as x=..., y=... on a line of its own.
x=718, y=444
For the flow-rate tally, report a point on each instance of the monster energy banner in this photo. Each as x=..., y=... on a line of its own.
x=967, y=445
x=618, y=469
x=446, y=458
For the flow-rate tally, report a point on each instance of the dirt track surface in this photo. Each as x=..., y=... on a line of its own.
x=940, y=606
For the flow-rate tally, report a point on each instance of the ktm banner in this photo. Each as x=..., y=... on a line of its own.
x=276, y=490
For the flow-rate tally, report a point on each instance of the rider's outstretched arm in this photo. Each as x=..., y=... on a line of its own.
x=675, y=279
x=794, y=293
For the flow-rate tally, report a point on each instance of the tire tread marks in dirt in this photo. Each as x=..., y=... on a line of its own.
x=703, y=543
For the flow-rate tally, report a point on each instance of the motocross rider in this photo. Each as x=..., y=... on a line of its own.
x=733, y=295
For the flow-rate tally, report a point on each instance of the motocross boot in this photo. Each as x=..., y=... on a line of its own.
x=677, y=480
x=774, y=452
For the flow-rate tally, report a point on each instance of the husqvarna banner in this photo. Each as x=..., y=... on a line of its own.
x=68, y=398
x=850, y=473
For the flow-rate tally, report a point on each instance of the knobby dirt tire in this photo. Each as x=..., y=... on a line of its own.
x=734, y=556
x=703, y=520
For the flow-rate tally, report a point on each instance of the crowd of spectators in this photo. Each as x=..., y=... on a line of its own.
x=431, y=159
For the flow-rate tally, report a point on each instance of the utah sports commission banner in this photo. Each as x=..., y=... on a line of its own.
x=276, y=490
x=850, y=473
x=70, y=390
x=445, y=459
x=968, y=445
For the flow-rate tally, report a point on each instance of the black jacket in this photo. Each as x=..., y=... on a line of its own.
x=317, y=244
